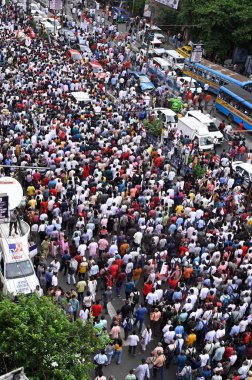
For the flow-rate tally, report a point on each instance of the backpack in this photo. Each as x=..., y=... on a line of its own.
x=135, y=298
x=73, y=264
x=225, y=302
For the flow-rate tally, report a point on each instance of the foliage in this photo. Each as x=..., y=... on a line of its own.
x=164, y=16
x=137, y=6
x=199, y=171
x=220, y=24
x=154, y=127
x=175, y=104
x=36, y=334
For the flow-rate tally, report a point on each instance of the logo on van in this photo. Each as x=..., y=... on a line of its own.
x=16, y=250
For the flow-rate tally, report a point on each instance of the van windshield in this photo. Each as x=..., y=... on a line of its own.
x=180, y=60
x=171, y=119
x=205, y=141
x=212, y=127
x=19, y=269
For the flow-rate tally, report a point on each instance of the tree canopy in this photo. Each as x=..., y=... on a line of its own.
x=37, y=335
x=221, y=25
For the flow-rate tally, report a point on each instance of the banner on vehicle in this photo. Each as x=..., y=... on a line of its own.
x=147, y=11
x=169, y=3
x=197, y=52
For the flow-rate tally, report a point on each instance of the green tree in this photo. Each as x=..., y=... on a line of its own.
x=37, y=335
x=219, y=24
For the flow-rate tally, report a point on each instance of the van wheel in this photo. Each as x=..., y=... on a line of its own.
x=230, y=118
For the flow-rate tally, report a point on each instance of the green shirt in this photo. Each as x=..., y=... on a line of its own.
x=130, y=377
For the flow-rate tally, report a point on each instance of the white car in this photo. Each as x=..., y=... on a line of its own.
x=54, y=21
x=34, y=7
x=189, y=82
x=244, y=170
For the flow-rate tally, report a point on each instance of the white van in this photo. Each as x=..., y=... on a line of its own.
x=159, y=67
x=81, y=97
x=16, y=268
x=175, y=59
x=169, y=116
x=49, y=27
x=209, y=123
x=194, y=129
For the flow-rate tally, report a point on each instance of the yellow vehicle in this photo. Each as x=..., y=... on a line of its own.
x=185, y=51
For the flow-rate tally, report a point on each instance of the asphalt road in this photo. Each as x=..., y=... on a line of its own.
x=129, y=362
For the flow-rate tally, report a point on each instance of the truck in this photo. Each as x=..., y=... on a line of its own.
x=195, y=130
x=209, y=123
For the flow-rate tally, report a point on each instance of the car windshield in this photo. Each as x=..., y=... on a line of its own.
x=180, y=60
x=76, y=57
x=144, y=80
x=19, y=269
x=96, y=69
x=212, y=127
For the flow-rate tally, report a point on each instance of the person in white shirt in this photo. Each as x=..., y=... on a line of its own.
x=55, y=265
x=210, y=335
x=133, y=340
x=169, y=335
x=55, y=280
x=204, y=359
x=152, y=298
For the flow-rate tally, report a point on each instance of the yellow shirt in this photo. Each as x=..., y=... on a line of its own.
x=30, y=190
x=32, y=203
x=192, y=196
x=179, y=209
x=191, y=339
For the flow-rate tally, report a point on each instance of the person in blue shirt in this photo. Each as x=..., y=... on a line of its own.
x=75, y=305
x=179, y=329
x=140, y=315
x=181, y=360
x=129, y=286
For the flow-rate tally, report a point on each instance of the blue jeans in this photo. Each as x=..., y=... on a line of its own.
x=141, y=321
x=160, y=371
x=109, y=356
x=118, y=356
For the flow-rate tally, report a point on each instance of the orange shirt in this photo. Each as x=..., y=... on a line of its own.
x=188, y=272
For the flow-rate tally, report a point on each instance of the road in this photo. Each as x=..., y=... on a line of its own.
x=129, y=362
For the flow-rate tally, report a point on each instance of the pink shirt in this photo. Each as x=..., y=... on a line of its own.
x=103, y=244
x=92, y=248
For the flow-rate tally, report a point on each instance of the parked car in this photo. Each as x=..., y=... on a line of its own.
x=85, y=50
x=122, y=15
x=69, y=35
x=185, y=51
x=244, y=171
x=143, y=81
x=73, y=54
x=189, y=82
x=54, y=21
x=97, y=69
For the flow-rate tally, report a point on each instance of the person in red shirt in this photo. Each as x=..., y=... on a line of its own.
x=147, y=288
x=121, y=278
x=96, y=310
x=241, y=126
x=114, y=269
x=36, y=176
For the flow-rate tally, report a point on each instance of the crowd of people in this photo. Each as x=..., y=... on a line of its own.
x=110, y=211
